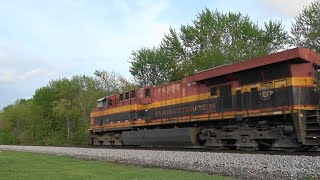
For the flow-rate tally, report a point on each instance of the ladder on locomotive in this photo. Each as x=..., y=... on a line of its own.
x=312, y=126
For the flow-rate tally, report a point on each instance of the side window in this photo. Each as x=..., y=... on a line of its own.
x=147, y=92
x=126, y=95
x=133, y=94
x=120, y=97
x=101, y=103
x=109, y=102
x=213, y=91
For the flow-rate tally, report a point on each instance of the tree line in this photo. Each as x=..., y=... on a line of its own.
x=58, y=113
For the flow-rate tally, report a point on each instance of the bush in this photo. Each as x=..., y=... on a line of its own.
x=7, y=137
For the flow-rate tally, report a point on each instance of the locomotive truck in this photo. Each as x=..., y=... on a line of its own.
x=264, y=103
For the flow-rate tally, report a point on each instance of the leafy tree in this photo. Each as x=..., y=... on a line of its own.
x=175, y=55
x=112, y=82
x=56, y=114
x=306, y=28
x=217, y=38
x=213, y=39
x=74, y=100
x=87, y=91
x=17, y=121
x=151, y=66
x=48, y=125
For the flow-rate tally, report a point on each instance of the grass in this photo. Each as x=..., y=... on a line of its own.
x=23, y=165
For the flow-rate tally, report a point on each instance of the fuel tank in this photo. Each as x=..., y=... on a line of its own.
x=161, y=137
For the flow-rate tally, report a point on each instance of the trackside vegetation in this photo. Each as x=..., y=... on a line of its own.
x=58, y=113
x=22, y=165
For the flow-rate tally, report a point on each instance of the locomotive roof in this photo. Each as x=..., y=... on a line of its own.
x=303, y=54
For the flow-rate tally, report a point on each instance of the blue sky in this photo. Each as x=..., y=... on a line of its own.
x=45, y=40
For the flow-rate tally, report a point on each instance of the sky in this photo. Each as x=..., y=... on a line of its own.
x=46, y=40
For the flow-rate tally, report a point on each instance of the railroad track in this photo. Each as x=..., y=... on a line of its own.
x=315, y=152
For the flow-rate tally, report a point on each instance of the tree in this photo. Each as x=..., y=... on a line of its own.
x=18, y=123
x=306, y=28
x=151, y=66
x=74, y=100
x=112, y=82
x=174, y=54
x=213, y=39
x=48, y=125
x=217, y=38
x=87, y=90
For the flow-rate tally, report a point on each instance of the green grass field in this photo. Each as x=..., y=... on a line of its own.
x=22, y=165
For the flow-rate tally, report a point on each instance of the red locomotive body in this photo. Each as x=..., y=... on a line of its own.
x=269, y=102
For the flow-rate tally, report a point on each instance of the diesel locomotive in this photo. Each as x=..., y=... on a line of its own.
x=264, y=103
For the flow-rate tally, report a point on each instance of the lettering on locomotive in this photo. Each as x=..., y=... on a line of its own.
x=198, y=109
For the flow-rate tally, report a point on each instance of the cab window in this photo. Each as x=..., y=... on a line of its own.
x=213, y=91
x=120, y=97
x=109, y=102
x=147, y=92
x=126, y=96
x=101, y=103
x=133, y=94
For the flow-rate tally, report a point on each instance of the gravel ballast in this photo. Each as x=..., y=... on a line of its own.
x=244, y=166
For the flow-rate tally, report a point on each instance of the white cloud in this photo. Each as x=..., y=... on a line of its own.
x=7, y=77
x=289, y=8
x=29, y=74
x=10, y=76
